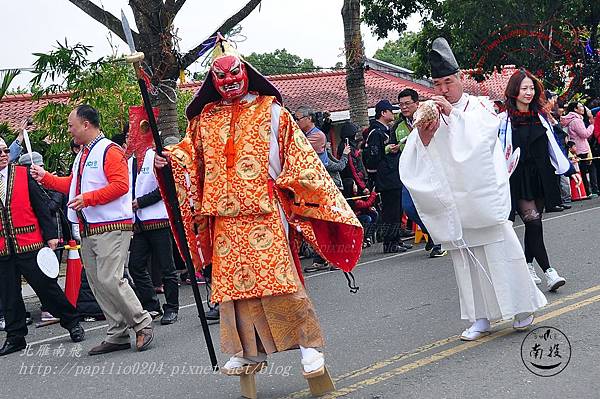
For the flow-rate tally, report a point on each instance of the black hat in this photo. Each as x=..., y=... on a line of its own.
x=385, y=105
x=441, y=59
x=348, y=130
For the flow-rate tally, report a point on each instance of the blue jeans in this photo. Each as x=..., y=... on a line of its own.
x=368, y=221
x=409, y=208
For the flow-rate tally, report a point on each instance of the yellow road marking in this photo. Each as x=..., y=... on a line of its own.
x=452, y=351
x=416, y=250
x=407, y=355
x=446, y=353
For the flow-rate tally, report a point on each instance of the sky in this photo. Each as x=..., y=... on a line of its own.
x=307, y=28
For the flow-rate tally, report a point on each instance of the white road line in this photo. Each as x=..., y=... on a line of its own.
x=564, y=215
x=41, y=341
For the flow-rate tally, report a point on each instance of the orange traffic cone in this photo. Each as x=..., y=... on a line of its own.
x=74, y=268
x=577, y=190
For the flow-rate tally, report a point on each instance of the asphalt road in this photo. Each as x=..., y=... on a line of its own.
x=396, y=338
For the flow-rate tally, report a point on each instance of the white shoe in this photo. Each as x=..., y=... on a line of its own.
x=47, y=316
x=523, y=324
x=241, y=365
x=479, y=329
x=313, y=364
x=2, y=324
x=533, y=274
x=472, y=335
x=553, y=280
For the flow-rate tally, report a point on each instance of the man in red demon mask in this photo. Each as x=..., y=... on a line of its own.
x=255, y=185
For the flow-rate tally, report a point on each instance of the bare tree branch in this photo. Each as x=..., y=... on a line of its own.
x=170, y=10
x=104, y=17
x=136, y=3
x=235, y=19
x=178, y=5
x=169, y=6
x=150, y=14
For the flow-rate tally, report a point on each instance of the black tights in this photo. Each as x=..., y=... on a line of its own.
x=531, y=214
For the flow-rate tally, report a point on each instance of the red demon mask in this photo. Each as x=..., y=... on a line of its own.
x=229, y=77
x=139, y=138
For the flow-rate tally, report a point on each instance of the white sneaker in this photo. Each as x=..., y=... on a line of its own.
x=47, y=316
x=2, y=324
x=533, y=274
x=553, y=280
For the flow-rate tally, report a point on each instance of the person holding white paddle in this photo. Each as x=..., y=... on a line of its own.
x=26, y=227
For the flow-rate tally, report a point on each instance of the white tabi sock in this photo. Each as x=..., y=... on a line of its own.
x=480, y=325
x=312, y=359
x=308, y=352
x=238, y=361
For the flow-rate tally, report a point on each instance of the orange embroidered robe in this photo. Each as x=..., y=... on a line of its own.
x=233, y=202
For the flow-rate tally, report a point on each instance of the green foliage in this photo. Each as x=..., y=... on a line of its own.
x=542, y=36
x=64, y=62
x=390, y=15
x=183, y=99
x=7, y=77
x=18, y=90
x=400, y=52
x=51, y=138
x=6, y=132
x=198, y=76
x=280, y=62
x=106, y=84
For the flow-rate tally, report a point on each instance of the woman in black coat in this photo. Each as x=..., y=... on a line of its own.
x=533, y=182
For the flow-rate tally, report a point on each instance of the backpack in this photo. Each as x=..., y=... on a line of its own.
x=370, y=154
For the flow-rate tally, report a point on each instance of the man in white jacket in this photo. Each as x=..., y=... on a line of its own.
x=456, y=173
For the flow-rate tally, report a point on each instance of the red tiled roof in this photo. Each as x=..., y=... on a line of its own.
x=326, y=91
x=323, y=91
x=493, y=86
x=15, y=108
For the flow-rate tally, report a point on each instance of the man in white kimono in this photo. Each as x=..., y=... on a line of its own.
x=456, y=173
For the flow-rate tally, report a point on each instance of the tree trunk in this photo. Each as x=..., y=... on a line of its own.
x=157, y=46
x=167, y=117
x=355, y=64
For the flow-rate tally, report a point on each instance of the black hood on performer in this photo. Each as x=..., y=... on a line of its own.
x=207, y=93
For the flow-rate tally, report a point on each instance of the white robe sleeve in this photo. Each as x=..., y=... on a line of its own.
x=424, y=177
x=459, y=181
x=471, y=129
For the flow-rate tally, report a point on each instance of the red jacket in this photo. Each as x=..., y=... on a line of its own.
x=362, y=206
x=18, y=220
